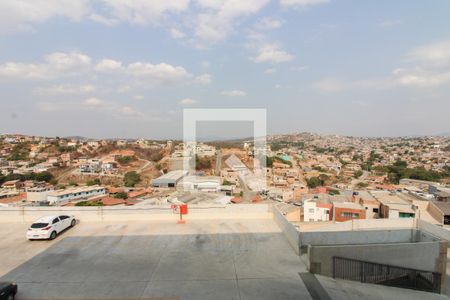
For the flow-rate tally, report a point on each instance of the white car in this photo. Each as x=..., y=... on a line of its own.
x=49, y=227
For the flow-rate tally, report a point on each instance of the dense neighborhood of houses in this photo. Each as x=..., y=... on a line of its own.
x=310, y=178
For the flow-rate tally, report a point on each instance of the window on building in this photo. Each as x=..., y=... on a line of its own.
x=311, y=210
x=349, y=215
x=406, y=215
x=375, y=210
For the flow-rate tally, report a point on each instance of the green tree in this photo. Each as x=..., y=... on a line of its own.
x=358, y=173
x=314, y=182
x=362, y=185
x=89, y=203
x=333, y=192
x=400, y=163
x=121, y=195
x=43, y=176
x=155, y=157
x=269, y=162
x=124, y=160
x=131, y=179
x=92, y=182
x=226, y=182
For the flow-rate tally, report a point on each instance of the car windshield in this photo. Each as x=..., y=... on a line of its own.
x=39, y=225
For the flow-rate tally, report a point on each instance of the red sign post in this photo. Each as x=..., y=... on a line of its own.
x=182, y=209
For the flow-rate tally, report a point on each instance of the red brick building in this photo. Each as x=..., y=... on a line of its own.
x=344, y=211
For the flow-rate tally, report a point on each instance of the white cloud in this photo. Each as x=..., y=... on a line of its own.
x=63, y=89
x=57, y=64
x=159, y=74
x=268, y=23
x=139, y=97
x=177, y=34
x=143, y=11
x=114, y=109
x=68, y=61
x=93, y=102
x=234, y=93
x=302, y=3
x=431, y=66
x=103, y=20
x=188, y=101
x=430, y=69
x=21, y=14
x=436, y=53
x=421, y=78
x=209, y=21
x=273, y=54
x=129, y=111
x=220, y=17
x=108, y=65
x=203, y=79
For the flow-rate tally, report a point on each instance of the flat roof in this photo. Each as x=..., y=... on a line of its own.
x=75, y=190
x=349, y=205
x=209, y=259
x=172, y=175
x=199, y=260
x=388, y=198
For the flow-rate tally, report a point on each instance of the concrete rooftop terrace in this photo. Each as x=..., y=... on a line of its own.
x=202, y=259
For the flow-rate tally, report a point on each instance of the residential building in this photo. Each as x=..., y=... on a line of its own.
x=394, y=207
x=314, y=210
x=13, y=185
x=38, y=194
x=345, y=211
x=76, y=193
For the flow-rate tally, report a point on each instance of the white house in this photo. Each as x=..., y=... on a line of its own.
x=76, y=193
x=316, y=211
x=200, y=183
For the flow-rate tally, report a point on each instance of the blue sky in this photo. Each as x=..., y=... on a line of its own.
x=127, y=68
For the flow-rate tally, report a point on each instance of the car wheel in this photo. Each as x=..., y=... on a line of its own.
x=53, y=235
x=73, y=223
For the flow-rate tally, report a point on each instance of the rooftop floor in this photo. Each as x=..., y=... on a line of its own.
x=221, y=259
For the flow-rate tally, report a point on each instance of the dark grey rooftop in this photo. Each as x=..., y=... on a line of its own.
x=203, y=259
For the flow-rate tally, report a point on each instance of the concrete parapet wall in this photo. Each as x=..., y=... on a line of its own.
x=437, y=231
x=424, y=256
x=289, y=230
x=366, y=224
x=436, y=213
x=136, y=213
x=364, y=237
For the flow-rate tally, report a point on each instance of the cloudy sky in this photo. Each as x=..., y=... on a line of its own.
x=128, y=68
